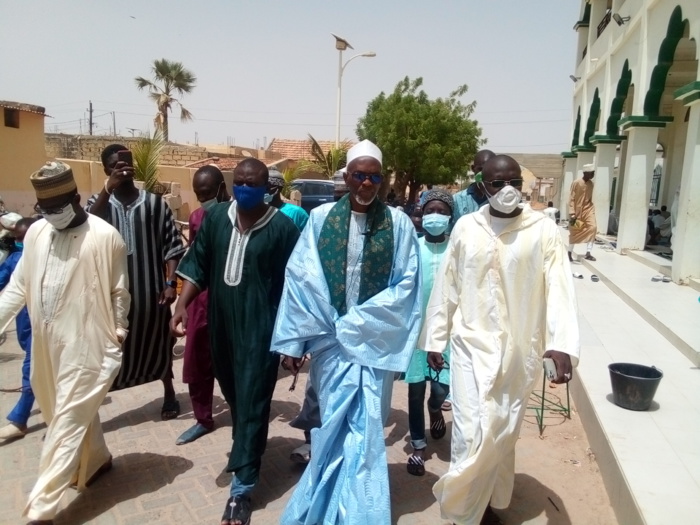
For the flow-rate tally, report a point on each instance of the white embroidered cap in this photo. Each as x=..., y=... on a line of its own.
x=364, y=149
x=587, y=168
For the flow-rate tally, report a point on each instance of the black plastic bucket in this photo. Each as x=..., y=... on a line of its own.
x=634, y=385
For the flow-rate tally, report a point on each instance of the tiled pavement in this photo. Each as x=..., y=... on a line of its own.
x=155, y=481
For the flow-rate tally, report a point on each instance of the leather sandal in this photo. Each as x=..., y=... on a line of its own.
x=238, y=508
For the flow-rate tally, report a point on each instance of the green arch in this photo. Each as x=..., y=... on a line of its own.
x=618, y=103
x=577, y=129
x=674, y=33
x=592, y=119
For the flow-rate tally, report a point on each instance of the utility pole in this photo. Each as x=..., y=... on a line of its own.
x=90, y=110
x=114, y=124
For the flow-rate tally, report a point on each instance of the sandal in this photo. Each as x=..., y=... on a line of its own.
x=438, y=427
x=589, y=257
x=238, y=508
x=415, y=465
x=170, y=409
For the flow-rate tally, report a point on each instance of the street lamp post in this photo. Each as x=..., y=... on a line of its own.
x=341, y=45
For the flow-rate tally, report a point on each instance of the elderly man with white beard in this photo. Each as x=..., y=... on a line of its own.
x=352, y=300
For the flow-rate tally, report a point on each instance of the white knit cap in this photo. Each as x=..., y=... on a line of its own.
x=587, y=168
x=364, y=149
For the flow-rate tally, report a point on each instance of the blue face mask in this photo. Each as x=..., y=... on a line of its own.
x=19, y=244
x=435, y=223
x=248, y=197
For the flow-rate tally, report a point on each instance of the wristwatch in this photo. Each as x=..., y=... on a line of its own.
x=172, y=284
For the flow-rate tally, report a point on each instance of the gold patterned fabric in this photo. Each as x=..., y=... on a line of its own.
x=377, y=257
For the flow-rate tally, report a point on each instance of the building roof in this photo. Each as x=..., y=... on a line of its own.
x=223, y=163
x=542, y=165
x=296, y=149
x=29, y=108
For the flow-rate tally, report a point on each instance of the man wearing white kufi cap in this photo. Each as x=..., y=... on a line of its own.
x=351, y=299
x=73, y=278
x=582, y=212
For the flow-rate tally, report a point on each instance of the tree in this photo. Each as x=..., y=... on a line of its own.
x=169, y=79
x=146, y=157
x=326, y=163
x=423, y=141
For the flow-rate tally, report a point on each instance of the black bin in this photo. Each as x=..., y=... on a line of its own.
x=634, y=385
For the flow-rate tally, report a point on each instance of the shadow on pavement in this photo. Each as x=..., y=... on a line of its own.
x=132, y=476
x=150, y=412
x=530, y=499
x=410, y=494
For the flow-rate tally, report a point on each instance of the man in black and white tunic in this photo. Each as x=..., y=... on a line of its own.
x=154, y=247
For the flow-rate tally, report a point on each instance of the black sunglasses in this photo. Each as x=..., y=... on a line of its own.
x=374, y=178
x=516, y=183
x=51, y=211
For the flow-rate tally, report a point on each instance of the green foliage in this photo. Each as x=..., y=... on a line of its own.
x=423, y=141
x=146, y=157
x=169, y=79
x=326, y=163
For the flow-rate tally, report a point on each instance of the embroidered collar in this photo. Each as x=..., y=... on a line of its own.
x=235, y=259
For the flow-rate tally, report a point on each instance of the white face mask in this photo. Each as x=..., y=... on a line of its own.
x=61, y=220
x=506, y=200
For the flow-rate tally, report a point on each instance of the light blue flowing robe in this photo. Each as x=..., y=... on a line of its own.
x=352, y=369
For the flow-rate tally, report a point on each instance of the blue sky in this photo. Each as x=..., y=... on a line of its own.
x=269, y=68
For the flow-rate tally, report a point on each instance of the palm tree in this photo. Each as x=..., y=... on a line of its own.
x=169, y=79
x=146, y=158
x=331, y=162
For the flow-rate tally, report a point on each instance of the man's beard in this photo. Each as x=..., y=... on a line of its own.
x=365, y=202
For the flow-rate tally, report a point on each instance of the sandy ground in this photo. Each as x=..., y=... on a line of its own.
x=154, y=481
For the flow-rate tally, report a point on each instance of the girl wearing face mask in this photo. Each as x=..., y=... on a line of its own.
x=437, y=213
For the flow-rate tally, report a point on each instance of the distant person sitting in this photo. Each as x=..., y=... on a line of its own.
x=657, y=219
x=665, y=213
x=551, y=212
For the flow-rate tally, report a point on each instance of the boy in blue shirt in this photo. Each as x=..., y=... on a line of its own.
x=19, y=416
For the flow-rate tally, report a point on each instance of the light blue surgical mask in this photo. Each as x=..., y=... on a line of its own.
x=19, y=244
x=435, y=223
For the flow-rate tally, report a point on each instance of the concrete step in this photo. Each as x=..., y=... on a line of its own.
x=650, y=461
x=672, y=310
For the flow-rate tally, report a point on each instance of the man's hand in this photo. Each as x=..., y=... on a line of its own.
x=436, y=361
x=563, y=363
x=120, y=174
x=179, y=318
x=167, y=296
x=293, y=364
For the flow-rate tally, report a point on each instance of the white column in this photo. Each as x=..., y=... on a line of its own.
x=639, y=167
x=685, y=240
x=569, y=174
x=604, y=168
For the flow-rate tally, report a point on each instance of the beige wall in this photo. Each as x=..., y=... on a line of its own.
x=21, y=153
x=86, y=147
x=90, y=178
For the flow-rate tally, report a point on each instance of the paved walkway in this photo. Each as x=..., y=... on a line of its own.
x=155, y=481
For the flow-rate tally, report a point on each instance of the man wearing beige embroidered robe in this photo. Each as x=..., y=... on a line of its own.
x=503, y=296
x=73, y=278
x=582, y=223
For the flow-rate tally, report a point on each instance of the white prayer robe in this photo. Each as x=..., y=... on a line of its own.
x=75, y=285
x=501, y=301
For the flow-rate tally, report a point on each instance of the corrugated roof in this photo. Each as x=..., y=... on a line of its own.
x=223, y=163
x=29, y=108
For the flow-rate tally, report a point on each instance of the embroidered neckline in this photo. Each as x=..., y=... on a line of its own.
x=235, y=258
x=125, y=218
